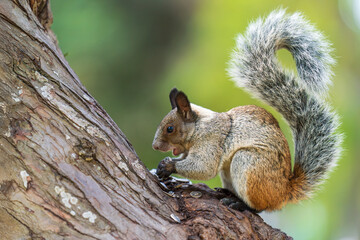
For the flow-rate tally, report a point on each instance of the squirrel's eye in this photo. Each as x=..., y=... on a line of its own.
x=170, y=129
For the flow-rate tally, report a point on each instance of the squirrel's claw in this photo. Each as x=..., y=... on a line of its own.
x=237, y=204
x=223, y=191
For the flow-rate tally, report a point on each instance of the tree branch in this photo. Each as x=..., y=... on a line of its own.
x=68, y=172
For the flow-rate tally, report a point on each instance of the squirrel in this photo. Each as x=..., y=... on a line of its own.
x=245, y=145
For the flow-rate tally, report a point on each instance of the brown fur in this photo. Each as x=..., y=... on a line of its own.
x=268, y=182
x=258, y=113
x=298, y=184
x=264, y=194
x=276, y=191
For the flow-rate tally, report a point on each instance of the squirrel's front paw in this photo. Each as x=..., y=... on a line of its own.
x=165, y=168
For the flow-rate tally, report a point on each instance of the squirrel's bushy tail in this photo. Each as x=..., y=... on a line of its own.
x=254, y=66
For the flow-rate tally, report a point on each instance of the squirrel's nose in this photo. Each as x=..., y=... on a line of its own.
x=155, y=146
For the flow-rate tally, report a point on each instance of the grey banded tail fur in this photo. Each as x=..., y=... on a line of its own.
x=299, y=98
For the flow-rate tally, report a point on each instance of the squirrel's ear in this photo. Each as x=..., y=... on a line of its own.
x=183, y=106
x=172, y=96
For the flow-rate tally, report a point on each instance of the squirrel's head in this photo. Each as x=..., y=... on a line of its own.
x=177, y=126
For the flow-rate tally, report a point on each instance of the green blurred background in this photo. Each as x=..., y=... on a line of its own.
x=130, y=53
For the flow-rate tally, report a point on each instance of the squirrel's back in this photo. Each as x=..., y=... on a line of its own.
x=253, y=126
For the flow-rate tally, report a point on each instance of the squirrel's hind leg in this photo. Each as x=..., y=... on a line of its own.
x=257, y=179
x=232, y=199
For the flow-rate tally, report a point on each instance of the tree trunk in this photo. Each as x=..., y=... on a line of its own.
x=68, y=172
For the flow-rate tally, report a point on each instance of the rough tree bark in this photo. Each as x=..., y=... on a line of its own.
x=67, y=171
